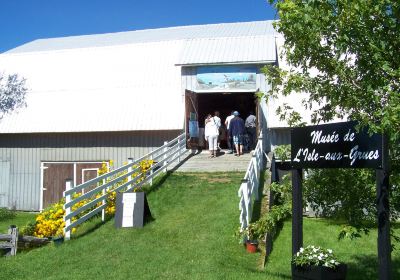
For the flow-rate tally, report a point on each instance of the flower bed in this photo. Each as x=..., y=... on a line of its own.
x=314, y=262
x=50, y=222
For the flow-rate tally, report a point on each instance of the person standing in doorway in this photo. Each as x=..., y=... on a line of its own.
x=250, y=125
x=211, y=135
x=227, y=125
x=237, y=130
x=217, y=122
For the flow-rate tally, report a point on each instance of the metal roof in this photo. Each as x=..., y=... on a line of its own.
x=228, y=50
x=101, y=89
x=123, y=81
x=238, y=29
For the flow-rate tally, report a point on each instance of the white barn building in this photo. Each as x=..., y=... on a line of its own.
x=113, y=96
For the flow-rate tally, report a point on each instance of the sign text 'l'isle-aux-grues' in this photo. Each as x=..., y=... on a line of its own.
x=336, y=145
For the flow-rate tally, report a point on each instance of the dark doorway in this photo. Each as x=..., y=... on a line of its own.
x=225, y=103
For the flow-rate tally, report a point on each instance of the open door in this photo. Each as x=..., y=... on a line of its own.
x=258, y=114
x=191, y=120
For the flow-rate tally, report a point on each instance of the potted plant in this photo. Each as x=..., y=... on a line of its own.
x=249, y=236
x=315, y=263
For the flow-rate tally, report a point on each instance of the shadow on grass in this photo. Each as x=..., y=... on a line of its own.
x=90, y=226
x=257, y=206
x=366, y=266
x=277, y=275
x=161, y=179
x=95, y=223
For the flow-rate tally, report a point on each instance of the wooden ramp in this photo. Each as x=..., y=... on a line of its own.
x=200, y=162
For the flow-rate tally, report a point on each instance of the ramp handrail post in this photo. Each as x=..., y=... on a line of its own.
x=68, y=186
x=179, y=149
x=103, y=202
x=151, y=172
x=130, y=162
x=165, y=156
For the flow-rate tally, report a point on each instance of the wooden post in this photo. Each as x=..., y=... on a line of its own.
x=13, y=231
x=245, y=209
x=130, y=162
x=179, y=149
x=297, y=211
x=257, y=177
x=103, y=202
x=68, y=186
x=384, y=247
x=151, y=172
x=269, y=236
x=382, y=193
x=247, y=200
x=260, y=139
x=165, y=156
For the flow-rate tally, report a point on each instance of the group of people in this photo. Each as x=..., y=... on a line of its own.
x=236, y=128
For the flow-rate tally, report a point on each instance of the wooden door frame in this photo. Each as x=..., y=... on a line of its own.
x=42, y=168
x=187, y=112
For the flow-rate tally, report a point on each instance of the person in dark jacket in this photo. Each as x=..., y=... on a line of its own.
x=237, y=130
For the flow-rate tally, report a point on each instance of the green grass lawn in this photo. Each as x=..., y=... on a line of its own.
x=360, y=255
x=20, y=220
x=192, y=237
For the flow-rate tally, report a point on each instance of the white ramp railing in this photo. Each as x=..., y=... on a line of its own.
x=81, y=207
x=249, y=189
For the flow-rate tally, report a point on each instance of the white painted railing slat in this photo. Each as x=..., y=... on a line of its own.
x=85, y=217
x=250, y=184
x=169, y=152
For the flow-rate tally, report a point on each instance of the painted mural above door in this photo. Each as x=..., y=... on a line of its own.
x=226, y=78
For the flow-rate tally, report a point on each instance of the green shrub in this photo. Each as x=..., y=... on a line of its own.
x=281, y=210
x=6, y=214
x=282, y=152
x=346, y=194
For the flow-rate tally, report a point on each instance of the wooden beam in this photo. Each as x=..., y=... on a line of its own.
x=297, y=210
x=384, y=247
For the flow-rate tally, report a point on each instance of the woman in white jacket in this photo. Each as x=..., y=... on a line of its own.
x=211, y=134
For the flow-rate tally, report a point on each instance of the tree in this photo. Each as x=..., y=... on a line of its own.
x=345, y=55
x=12, y=93
x=355, y=47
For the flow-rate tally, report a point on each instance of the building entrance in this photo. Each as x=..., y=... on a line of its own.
x=225, y=103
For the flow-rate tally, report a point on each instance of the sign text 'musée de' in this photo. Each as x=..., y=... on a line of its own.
x=335, y=145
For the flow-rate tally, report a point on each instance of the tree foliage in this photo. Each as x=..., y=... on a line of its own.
x=345, y=55
x=330, y=195
x=354, y=46
x=12, y=93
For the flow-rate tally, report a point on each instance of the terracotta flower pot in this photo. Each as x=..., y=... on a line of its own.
x=251, y=246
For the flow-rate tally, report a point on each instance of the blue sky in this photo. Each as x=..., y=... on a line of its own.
x=22, y=21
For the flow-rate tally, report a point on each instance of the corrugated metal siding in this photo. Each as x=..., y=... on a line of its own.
x=254, y=28
x=25, y=153
x=252, y=49
x=279, y=137
x=4, y=183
